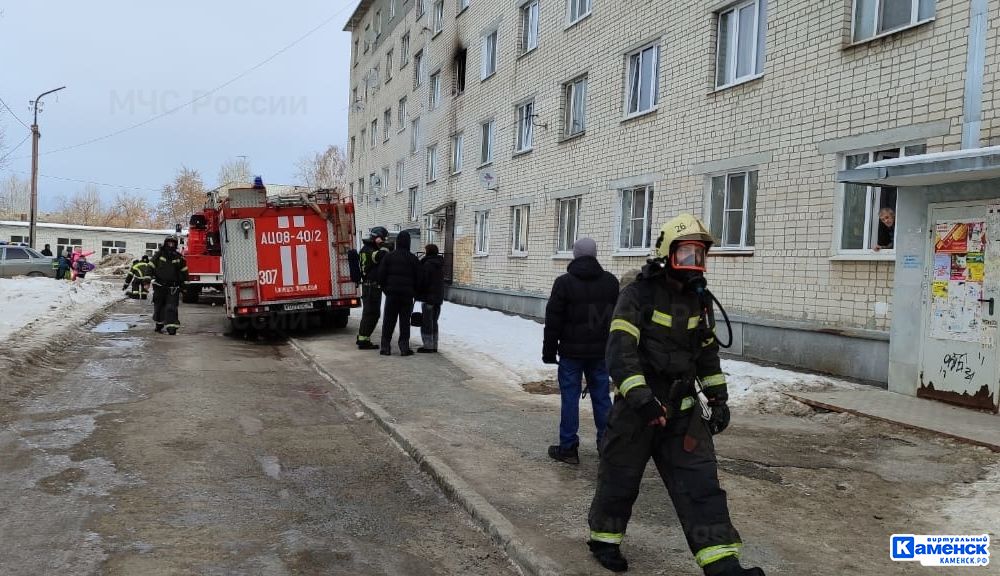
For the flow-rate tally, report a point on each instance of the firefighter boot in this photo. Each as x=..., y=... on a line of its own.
x=172, y=331
x=159, y=328
x=731, y=567
x=609, y=555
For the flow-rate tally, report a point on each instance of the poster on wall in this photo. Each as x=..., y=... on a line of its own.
x=957, y=285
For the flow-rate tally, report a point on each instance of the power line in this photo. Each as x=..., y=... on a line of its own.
x=225, y=84
x=14, y=149
x=14, y=115
x=105, y=184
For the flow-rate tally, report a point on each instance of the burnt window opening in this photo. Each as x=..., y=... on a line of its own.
x=458, y=67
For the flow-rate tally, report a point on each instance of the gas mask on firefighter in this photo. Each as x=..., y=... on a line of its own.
x=687, y=264
x=170, y=245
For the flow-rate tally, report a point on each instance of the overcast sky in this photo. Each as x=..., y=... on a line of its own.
x=124, y=62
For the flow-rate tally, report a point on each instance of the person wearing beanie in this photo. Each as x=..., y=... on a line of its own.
x=431, y=296
x=577, y=324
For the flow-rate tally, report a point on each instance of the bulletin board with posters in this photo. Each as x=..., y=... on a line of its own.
x=958, y=280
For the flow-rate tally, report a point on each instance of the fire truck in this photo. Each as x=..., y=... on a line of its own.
x=283, y=258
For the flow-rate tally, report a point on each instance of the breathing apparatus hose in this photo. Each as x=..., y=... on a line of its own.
x=707, y=299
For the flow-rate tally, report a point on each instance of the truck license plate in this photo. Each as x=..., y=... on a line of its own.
x=300, y=306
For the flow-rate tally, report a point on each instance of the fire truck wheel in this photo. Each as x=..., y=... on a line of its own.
x=191, y=294
x=338, y=318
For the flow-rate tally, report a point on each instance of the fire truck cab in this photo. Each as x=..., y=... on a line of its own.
x=285, y=258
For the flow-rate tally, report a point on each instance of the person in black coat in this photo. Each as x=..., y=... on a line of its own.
x=47, y=251
x=399, y=277
x=577, y=324
x=432, y=296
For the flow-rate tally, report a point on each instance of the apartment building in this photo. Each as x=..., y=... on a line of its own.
x=504, y=131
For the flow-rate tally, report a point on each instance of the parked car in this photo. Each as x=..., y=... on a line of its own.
x=24, y=261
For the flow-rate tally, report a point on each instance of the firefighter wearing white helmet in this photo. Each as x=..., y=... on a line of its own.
x=662, y=347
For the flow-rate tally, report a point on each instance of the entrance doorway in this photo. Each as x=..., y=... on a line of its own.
x=959, y=359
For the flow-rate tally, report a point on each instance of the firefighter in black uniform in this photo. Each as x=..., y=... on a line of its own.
x=138, y=278
x=371, y=254
x=170, y=272
x=661, y=350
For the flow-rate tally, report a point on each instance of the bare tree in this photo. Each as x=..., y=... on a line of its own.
x=236, y=171
x=85, y=207
x=15, y=197
x=182, y=198
x=129, y=210
x=327, y=169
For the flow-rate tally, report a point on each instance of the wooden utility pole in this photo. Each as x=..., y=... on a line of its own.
x=35, y=135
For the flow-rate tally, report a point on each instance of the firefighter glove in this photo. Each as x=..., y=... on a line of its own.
x=719, y=420
x=651, y=410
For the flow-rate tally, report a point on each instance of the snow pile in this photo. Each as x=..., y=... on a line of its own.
x=34, y=309
x=509, y=348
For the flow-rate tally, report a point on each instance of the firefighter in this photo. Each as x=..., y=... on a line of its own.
x=170, y=272
x=662, y=348
x=371, y=254
x=138, y=278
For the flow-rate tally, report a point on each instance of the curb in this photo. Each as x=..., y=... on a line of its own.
x=499, y=528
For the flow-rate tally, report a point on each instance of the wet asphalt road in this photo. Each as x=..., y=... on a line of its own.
x=130, y=453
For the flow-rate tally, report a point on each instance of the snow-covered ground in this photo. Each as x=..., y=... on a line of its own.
x=49, y=306
x=510, y=348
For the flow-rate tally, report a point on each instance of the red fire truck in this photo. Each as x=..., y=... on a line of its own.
x=285, y=257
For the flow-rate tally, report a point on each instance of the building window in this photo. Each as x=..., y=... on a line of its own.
x=486, y=149
x=404, y=50
x=525, y=126
x=356, y=52
x=69, y=244
x=643, y=80
x=152, y=247
x=459, y=68
x=414, y=135
x=482, y=233
x=364, y=136
x=387, y=124
x=414, y=204
x=368, y=37
x=401, y=114
x=378, y=24
x=575, y=105
x=432, y=161
x=354, y=148
x=734, y=209
x=374, y=133
x=635, y=211
x=112, y=247
x=868, y=218
x=383, y=181
x=418, y=68
x=569, y=224
x=392, y=9
x=374, y=185
x=489, y=55
x=437, y=17
x=529, y=26
x=462, y=5
x=578, y=9
x=18, y=239
x=876, y=17
x=434, y=93
x=457, y=143
x=519, y=230
x=740, y=51
x=420, y=8
x=400, y=175
x=388, y=66
x=361, y=191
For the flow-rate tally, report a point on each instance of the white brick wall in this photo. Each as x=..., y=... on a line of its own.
x=816, y=87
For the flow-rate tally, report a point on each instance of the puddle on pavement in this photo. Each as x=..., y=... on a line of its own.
x=111, y=326
x=544, y=387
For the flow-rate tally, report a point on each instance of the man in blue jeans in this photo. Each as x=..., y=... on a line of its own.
x=577, y=323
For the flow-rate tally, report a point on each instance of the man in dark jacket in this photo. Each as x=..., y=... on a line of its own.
x=432, y=296
x=47, y=251
x=170, y=273
x=371, y=255
x=399, y=277
x=662, y=351
x=577, y=321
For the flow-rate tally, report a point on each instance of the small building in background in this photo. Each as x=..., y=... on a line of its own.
x=99, y=239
